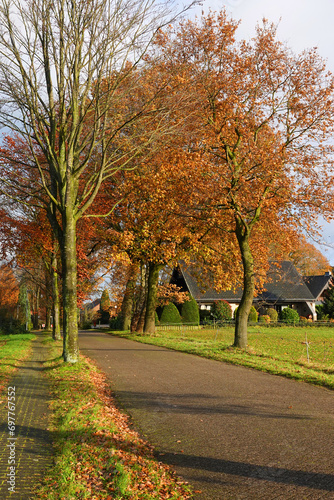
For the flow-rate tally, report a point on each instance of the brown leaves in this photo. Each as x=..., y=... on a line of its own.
x=98, y=453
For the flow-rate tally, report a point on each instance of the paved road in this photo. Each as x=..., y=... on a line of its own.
x=232, y=432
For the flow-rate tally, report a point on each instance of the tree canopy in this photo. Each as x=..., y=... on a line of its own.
x=68, y=71
x=188, y=143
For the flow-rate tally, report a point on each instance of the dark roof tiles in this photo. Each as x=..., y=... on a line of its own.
x=284, y=284
x=317, y=284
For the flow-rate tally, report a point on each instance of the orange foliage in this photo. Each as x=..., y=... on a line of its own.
x=309, y=260
x=9, y=291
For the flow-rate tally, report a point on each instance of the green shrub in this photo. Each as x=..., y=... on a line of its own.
x=12, y=326
x=85, y=325
x=328, y=304
x=321, y=315
x=170, y=315
x=116, y=323
x=190, y=312
x=264, y=318
x=289, y=315
x=253, y=315
x=205, y=316
x=221, y=310
x=273, y=314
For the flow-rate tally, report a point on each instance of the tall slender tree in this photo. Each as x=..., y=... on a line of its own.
x=65, y=65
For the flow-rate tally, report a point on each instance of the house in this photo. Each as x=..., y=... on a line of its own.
x=90, y=312
x=285, y=287
x=318, y=285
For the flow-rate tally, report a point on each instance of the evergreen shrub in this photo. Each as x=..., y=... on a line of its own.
x=321, y=315
x=170, y=315
x=328, y=304
x=289, y=315
x=205, y=316
x=221, y=310
x=116, y=323
x=273, y=314
x=13, y=326
x=190, y=312
x=253, y=315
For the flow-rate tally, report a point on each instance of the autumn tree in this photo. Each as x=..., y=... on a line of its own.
x=308, y=259
x=26, y=237
x=67, y=71
x=151, y=228
x=264, y=132
x=9, y=294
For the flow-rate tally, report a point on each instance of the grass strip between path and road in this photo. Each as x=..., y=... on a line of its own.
x=97, y=455
x=13, y=350
x=304, y=354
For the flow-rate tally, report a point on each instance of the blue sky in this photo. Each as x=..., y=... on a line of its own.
x=303, y=24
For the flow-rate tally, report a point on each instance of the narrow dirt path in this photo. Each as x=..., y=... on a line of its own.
x=28, y=448
x=232, y=432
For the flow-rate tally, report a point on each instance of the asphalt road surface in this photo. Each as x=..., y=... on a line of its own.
x=232, y=432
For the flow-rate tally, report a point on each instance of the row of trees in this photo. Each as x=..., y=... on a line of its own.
x=187, y=142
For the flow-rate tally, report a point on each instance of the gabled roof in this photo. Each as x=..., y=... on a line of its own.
x=93, y=304
x=317, y=284
x=190, y=275
x=285, y=284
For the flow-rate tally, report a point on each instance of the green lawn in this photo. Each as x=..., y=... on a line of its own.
x=13, y=350
x=277, y=350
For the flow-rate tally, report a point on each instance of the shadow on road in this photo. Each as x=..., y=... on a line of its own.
x=274, y=474
x=196, y=404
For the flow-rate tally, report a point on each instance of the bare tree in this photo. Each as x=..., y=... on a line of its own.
x=67, y=71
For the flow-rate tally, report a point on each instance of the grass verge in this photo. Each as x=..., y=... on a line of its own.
x=293, y=352
x=97, y=455
x=13, y=350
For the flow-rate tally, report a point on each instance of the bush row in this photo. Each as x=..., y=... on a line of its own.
x=221, y=311
x=171, y=316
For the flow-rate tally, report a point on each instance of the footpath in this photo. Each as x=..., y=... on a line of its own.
x=28, y=447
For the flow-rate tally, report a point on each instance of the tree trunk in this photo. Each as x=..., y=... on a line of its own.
x=35, y=321
x=152, y=292
x=47, y=318
x=127, y=304
x=240, y=335
x=69, y=264
x=142, y=312
x=137, y=323
x=56, y=335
